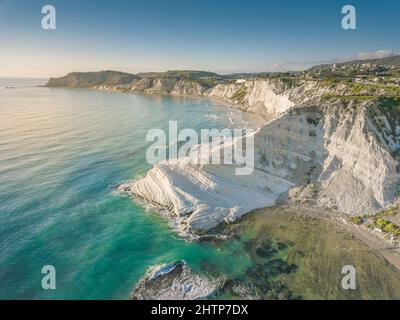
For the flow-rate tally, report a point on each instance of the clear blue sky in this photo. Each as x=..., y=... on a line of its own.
x=218, y=35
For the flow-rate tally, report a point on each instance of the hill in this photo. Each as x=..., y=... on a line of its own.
x=91, y=79
x=388, y=61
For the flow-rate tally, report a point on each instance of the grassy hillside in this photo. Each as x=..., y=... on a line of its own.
x=90, y=79
x=179, y=74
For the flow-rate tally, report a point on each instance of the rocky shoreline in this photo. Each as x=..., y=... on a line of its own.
x=286, y=262
x=349, y=159
x=340, y=156
x=174, y=281
x=331, y=144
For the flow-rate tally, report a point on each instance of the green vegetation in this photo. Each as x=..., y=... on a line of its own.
x=356, y=220
x=387, y=226
x=330, y=81
x=239, y=95
x=289, y=80
x=180, y=74
x=349, y=98
x=390, y=212
x=387, y=96
x=205, y=82
x=389, y=103
x=91, y=79
x=381, y=220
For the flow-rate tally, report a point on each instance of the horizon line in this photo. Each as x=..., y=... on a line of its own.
x=319, y=63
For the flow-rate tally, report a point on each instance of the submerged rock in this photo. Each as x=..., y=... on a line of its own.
x=174, y=281
x=265, y=250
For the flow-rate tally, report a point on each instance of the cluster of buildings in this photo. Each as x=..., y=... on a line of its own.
x=364, y=73
x=387, y=80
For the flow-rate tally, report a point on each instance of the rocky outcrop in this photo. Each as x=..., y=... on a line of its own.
x=188, y=88
x=263, y=96
x=360, y=170
x=331, y=135
x=174, y=281
x=342, y=150
x=91, y=79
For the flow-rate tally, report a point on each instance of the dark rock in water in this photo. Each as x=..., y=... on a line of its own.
x=123, y=187
x=174, y=281
x=238, y=289
x=278, y=291
x=265, y=250
x=281, y=245
x=278, y=266
x=299, y=254
x=264, y=278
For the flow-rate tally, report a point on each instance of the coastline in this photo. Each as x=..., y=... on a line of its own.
x=290, y=252
x=226, y=102
x=376, y=243
x=377, y=247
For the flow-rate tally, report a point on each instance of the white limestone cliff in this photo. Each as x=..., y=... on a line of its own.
x=341, y=150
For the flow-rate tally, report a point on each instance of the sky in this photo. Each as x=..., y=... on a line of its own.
x=223, y=36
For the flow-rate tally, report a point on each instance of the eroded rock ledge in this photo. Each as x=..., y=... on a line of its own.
x=347, y=152
x=335, y=139
x=174, y=281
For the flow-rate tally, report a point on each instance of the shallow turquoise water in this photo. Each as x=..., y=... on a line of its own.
x=61, y=153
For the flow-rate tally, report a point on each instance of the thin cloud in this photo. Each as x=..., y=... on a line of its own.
x=29, y=67
x=375, y=54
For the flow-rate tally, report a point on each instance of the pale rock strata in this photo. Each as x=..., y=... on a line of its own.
x=188, y=88
x=269, y=96
x=350, y=159
x=348, y=152
x=360, y=171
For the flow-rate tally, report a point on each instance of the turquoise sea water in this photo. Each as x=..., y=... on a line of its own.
x=61, y=153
